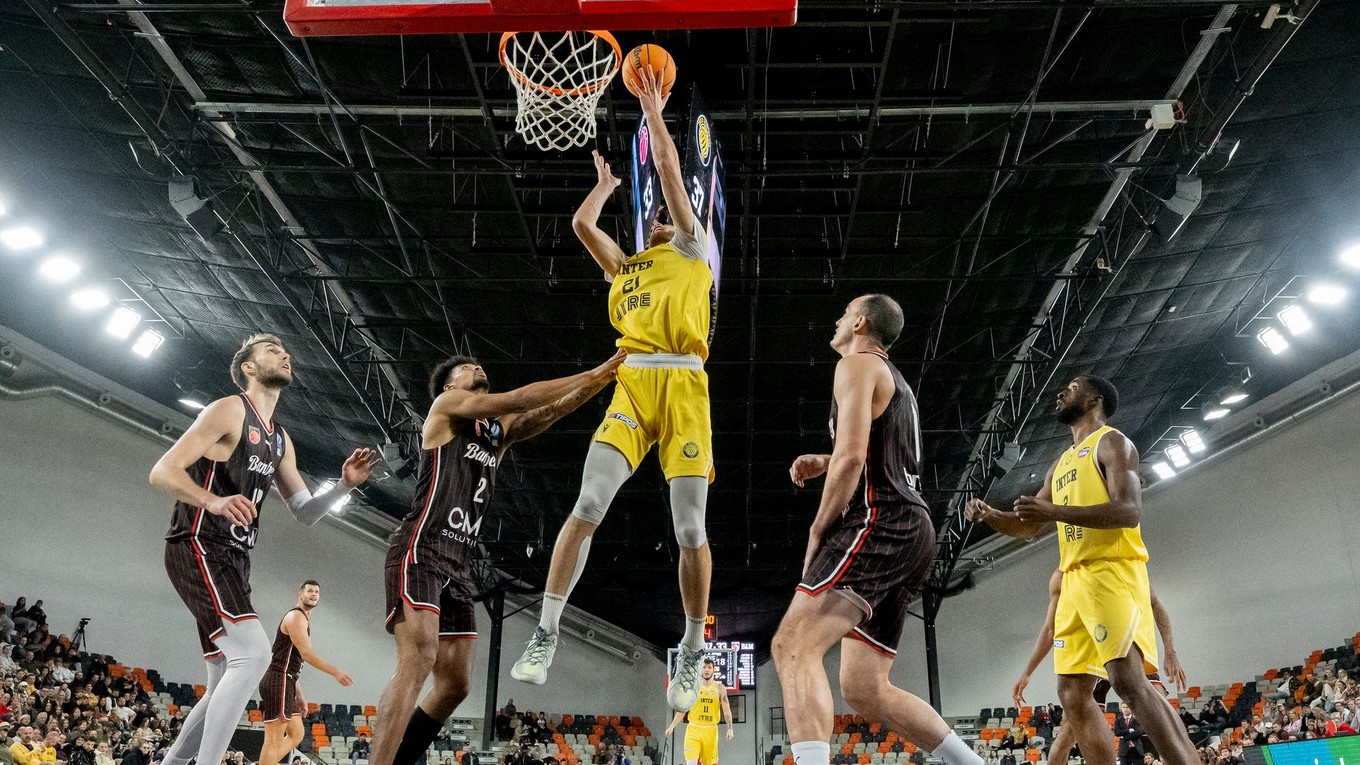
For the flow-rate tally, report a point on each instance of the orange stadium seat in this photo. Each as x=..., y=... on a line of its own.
x=364, y=730
x=1032, y=755
x=909, y=747
x=865, y=758
x=1109, y=718
x=1193, y=692
x=568, y=719
x=199, y=690
x=1175, y=702
x=986, y=734
x=255, y=715
x=370, y=711
x=875, y=727
x=313, y=708
x=884, y=748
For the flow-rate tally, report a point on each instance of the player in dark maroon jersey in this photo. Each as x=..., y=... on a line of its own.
x=219, y=472
x=869, y=553
x=429, y=588
x=281, y=700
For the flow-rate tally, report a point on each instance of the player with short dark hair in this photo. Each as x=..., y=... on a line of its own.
x=869, y=553
x=660, y=303
x=219, y=472
x=701, y=734
x=281, y=701
x=1103, y=619
x=428, y=579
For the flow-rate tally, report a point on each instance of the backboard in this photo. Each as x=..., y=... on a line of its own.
x=327, y=18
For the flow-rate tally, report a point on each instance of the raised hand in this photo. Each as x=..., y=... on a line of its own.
x=604, y=176
x=650, y=95
x=356, y=469
x=976, y=510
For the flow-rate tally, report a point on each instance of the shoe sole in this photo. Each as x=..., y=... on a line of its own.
x=532, y=680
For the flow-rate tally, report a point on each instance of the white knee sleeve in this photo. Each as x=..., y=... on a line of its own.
x=689, y=498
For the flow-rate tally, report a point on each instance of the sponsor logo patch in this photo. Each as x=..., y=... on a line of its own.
x=690, y=450
x=644, y=141
x=254, y=434
x=1101, y=633
x=278, y=444
x=623, y=418
x=705, y=139
x=1085, y=450
x=1060, y=643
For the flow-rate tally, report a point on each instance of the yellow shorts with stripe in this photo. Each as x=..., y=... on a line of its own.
x=1105, y=609
x=701, y=743
x=667, y=407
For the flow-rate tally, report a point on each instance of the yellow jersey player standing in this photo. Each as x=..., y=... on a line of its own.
x=1103, y=623
x=659, y=302
x=701, y=735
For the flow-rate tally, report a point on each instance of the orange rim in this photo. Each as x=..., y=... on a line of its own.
x=523, y=79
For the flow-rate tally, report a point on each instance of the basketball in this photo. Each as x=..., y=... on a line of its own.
x=652, y=57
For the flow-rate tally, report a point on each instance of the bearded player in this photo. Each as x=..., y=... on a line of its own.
x=219, y=472
x=1103, y=621
x=281, y=701
x=428, y=573
x=659, y=301
x=701, y=734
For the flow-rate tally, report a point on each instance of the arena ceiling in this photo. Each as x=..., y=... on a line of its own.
x=381, y=214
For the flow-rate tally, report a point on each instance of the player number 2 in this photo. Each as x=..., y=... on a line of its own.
x=481, y=487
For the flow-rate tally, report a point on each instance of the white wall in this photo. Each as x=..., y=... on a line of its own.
x=83, y=530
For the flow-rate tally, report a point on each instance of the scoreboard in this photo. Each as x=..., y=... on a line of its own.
x=734, y=663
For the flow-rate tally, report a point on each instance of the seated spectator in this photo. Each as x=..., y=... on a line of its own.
x=1214, y=717
x=1338, y=727
x=1294, y=728
x=23, y=750
x=103, y=754
x=359, y=748
x=5, y=757
x=8, y=667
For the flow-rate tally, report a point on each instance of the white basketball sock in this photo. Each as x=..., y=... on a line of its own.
x=954, y=752
x=811, y=753
x=694, y=634
x=552, y=612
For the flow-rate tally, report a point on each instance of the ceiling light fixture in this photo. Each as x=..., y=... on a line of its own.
x=147, y=343
x=1177, y=455
x=1295, y=319
x=1163, y=470
x=90, y=298
x=1216, y=413
x=1231, y=394
x=193, y=403
x=1193, y=441
x=20, y=238
x=123, y=321
x=1326, y=294
x=1273, y=340
x=59, y=269
x=1351, y=256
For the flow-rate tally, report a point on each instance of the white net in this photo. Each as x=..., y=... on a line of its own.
x=559, y=79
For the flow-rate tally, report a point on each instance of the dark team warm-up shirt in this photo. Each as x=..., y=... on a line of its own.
x=249, y=471
x=286, y=660
x=892, y=467
x=453, y=490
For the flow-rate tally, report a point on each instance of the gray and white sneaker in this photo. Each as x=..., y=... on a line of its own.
x=684, y=690
x=533, y=664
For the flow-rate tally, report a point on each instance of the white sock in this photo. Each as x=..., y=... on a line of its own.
x=581, y=555
x=552, y=612
x=694, y=635
x=811, y=753
x=954, y=752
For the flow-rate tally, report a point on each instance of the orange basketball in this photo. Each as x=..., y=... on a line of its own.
x=653, y=57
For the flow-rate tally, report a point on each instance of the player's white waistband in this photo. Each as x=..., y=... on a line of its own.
x=663, y=361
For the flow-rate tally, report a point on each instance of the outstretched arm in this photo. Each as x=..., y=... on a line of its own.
x=602, y=246
x=466, y=405
x=1044, y=643
x=1009, y=523
x=309, y=508
x=664, y=153
x=295, y=626
x=522, y=427
x=216, y=424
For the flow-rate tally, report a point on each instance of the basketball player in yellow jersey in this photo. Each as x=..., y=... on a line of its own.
x=701, y=735
x=1103, y=625
x=659, y=301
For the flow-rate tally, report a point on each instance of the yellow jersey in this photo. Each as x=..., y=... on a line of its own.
x=1078, y=481
x=661, y=299
x=709, y=706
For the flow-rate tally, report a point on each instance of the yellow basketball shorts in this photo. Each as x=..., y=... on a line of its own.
x=701, y=743
x=666, y=407
x=1104, y=610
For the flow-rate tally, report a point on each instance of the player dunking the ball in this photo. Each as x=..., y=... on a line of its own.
x=1103, y=620
x=428, y=578
x=281, y=701
x=659, y=301
x=219, y=472
x=870, y=551
x=701, y=734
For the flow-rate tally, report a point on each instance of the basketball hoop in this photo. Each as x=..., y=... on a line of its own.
x=559, y=78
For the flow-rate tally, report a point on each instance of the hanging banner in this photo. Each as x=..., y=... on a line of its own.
x=646, y=186
x=704, y=178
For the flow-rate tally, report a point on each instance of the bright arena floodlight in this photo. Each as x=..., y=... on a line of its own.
x=1295, y=319
x=1230, y=394
x=1163, y=470
x=20, y=237
x=59, y=269
x=1193, y=441
x=193, y=403
x=1273, y=340
x=1216, y=413
x=1177, y=455
x=1351, y=256
x=90, y=298
x=1326, y=294
x=147, y=343
x=123, y=321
